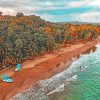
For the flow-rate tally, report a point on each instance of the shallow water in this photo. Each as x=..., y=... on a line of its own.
x=75, y=83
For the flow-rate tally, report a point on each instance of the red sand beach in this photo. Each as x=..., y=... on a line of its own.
x=40, y=68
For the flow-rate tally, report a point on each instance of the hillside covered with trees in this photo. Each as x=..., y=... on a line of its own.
x=22, y=37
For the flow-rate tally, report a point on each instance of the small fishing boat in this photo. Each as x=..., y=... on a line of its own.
x=6, y=78
x=18, y=66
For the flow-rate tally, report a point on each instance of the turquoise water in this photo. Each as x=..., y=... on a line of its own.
x=74, y=83
x=87, y=86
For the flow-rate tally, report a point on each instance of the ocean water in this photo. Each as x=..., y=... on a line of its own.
x=75, y=83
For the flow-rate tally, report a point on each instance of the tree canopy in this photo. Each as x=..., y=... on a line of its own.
x=22, y=37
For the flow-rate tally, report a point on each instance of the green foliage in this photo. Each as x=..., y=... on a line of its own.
x=50, y=43
x=19, y=14
x=22, y=37
x=59, y=38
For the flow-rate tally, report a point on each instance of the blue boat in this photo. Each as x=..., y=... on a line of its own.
x=6, y=78
x=18, y=66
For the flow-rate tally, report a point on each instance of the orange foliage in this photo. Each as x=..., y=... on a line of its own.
x=23, y=20
x=48, y=29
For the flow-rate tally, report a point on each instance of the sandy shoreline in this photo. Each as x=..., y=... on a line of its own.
x=34, y=70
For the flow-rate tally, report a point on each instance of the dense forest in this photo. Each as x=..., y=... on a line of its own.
x=22, y=37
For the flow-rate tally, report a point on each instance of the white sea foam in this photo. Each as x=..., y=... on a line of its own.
x=59, y=89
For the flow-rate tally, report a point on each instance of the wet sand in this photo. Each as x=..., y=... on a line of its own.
x=40, y=68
